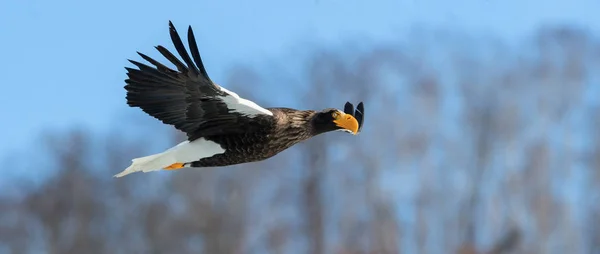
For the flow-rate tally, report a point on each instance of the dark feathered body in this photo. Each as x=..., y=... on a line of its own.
x=284, y=129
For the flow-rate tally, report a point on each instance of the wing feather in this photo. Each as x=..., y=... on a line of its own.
x=160, y=66
x=196, y=53
x=181, y=49
x=172, y=58
x=186, y=98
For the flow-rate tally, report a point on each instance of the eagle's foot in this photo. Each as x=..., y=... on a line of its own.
x=174, y=166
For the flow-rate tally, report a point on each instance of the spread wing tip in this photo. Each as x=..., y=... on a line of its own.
x=349, y=108
x=358, y=113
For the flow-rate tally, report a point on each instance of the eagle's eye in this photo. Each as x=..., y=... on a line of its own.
x=335, y=115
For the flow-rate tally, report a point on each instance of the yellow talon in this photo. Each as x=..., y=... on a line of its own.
x=174, y=166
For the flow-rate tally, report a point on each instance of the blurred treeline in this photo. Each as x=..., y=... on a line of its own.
x=471, y=145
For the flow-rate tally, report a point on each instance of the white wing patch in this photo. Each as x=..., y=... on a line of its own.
x=240, y=105
x=192, y=151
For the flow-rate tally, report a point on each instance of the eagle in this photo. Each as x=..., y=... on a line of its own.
x=222, y=128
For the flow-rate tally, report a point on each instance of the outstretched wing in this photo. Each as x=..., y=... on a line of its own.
x=359, y=113
x=186, y=98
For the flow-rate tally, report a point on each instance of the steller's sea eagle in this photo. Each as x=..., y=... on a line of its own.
x=222, y=128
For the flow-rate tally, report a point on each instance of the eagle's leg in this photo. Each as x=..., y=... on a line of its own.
x=175, y=166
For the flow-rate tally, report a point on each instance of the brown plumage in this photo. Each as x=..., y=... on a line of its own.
x=286, y=128
x=222, y=128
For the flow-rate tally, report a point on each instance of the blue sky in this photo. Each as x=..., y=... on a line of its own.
x=62, y=61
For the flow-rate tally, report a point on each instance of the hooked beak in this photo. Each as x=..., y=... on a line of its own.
x=348, y=122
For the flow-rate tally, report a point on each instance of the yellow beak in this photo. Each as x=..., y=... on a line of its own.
x=347, y=122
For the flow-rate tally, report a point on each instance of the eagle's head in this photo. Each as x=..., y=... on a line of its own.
x=331, y=119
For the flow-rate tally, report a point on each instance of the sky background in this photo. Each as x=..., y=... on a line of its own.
x=62, y=66
x=62, y=61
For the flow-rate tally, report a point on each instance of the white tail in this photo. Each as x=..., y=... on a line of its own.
x=149, y=163
x=184, y=152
